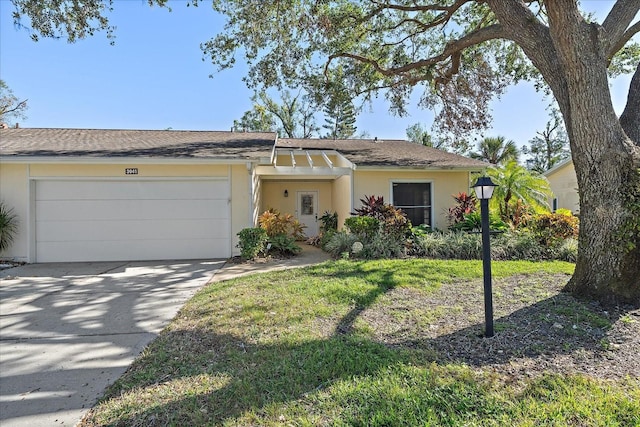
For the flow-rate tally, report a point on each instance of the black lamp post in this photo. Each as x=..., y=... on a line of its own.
x=484, y=190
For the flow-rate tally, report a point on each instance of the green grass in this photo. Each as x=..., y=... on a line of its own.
x=281, y=349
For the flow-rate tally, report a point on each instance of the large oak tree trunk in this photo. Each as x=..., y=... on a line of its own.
x=572, y=56
x=606, y=163
x=608, y=264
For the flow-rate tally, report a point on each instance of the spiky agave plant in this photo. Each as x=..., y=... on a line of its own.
x=8, y=226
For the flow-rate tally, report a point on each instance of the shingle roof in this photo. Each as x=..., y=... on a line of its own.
x=27, y=142
x=135, y=143
x=387, y=153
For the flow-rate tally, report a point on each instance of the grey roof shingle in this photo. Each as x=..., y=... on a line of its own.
x=103, y=143
x=135, y=143
x=387, y=153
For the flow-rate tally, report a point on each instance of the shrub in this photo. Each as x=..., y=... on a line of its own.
x=284, y=244
x=371, y=206
x=518, y=245
x=329, y=221
x=8, y=226
x=325, y=237
x=382, y=245
x=421, y=230
x=339, y=243
x=251, y=242
x=567, y=251
x=276, y=223
x=563, y=211
x=507, y=246
x=554, y=227
x=448, y=245
x=465, y=204
x=395, y=221
x=473, y=222
x=362, y=226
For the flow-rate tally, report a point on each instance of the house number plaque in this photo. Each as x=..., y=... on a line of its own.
x=131, y=171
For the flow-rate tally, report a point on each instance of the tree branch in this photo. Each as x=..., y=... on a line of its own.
x=616, y=23
x=630, y=117
x=476, y=37
x=422, y=8
x=632, y=31
x=19, y=106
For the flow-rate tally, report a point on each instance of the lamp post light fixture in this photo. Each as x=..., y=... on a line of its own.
x=484, y=190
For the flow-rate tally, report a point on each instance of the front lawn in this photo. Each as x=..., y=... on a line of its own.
x=394, y=342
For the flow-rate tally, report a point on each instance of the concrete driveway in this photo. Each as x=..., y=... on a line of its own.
x=69, y=330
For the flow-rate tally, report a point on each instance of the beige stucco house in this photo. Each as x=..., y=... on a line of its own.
x=564, y=184
x=105, y=195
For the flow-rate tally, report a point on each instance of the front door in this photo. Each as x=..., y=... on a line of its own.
x=307, y=210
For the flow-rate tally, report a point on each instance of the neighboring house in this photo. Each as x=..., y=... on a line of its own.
x=107, y=195
x=564, y=184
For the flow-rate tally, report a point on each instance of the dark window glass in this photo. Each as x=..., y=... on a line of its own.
x=414, y=198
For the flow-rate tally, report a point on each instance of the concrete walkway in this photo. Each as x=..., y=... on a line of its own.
x=69, y=330
x=310, y=255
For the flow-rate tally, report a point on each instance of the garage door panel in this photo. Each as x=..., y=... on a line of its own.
x=112, y=220
x=136, y=190
x=87, y=231
x=136, y=250
x=74, y=210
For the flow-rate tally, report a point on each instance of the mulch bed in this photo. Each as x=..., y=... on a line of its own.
x=538, y=328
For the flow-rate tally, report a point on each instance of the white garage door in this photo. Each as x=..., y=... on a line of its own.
x=99, y=220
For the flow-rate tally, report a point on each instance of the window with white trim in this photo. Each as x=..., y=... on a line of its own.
x=414, y=198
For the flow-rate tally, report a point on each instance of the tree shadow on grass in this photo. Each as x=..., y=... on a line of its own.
x=558, y=333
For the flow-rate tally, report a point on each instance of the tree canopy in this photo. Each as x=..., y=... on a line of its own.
x=11, y=107
x=293, y=118
x=549, y=147
x=516, y=184
x=496, y=150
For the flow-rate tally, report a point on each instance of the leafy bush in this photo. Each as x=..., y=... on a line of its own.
x=284, y=244
x=507, y=246
x=362, y=226
x=563, y=211
x=325, y=237
x=251, y=242
x=329, y=221
x=420, y=230
x=554, y=227
x=339, y=243
x=382, y=245
x=395, y=221
x=465, y=204
x=276, y=223
x=8, y=226
x=448, y=245
x=567, y=251
x=518, y=245
x=473, y=222
x=371, y=206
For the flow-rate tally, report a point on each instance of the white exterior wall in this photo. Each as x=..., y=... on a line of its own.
x=17, y=189
x=14, y=192
x=564, y=184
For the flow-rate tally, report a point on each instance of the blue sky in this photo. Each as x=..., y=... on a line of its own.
x=154, y=78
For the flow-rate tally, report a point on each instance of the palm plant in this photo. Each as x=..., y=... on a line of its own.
x=8, y=226
x=515, y=186
x=496, y=150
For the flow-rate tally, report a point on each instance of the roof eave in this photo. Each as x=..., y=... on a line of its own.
x=445, y=168
x=125, y=160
